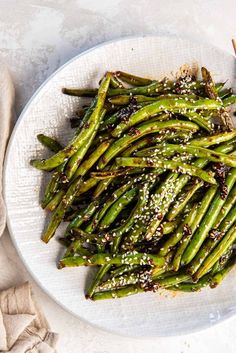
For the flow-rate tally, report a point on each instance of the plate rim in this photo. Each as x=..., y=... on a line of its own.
x=226, y=316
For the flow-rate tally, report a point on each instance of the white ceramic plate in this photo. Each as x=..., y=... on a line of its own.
x=47, y=112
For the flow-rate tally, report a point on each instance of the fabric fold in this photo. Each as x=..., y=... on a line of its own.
x=6, y=113
x=23, y=326
x=15, y=326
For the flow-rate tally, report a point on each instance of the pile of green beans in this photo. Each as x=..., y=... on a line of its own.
x=147, y=185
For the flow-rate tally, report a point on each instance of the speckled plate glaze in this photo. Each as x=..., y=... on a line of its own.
x=149, y=314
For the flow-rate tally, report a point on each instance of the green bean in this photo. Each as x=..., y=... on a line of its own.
x=170, y=149
x=134, y=258
x=142, y=143
x=122, y=143
x=117, y=293
x=213, y=139
x=163, y=105
x=76, y=159
x=115, y=82
x=132, y=278
x=161, y=273
x=103, y=184
x=169, y=227
x=58, y=196
x=92, y=158
x=133, y=236
x=166, y=164
x=86, y=116
x=160, y=117
x=81, y=138
x=117, y=207
x=156, y=151
x=119, y=271
x=125, y=99
x=198, y=119
x=101, y=136
x=122, y=100
x=185, y=226
x=88, y=238
x=192, y=287
x=132, y=79
x=55, y=200
x=110, y=121
x=202, y=209
x=53, y=184
x=225, y=93
x=229, y=203
x=151, y=90
x=124, y=228
x=166, y=271
x=101, y=272
x=218, y=277
x=219, y=250
x=220, y=85
x=180, y=250
x=205, y=250
x=59, y=213
x=117, y=282
x=76, y=247
x=230, y=100
x=149, y=140
x=52, y=187
x=208, y=221
x=100, y=214
x=78, y=156
x=115, y=173
x=49, y=142
x=87, y=185
x=182, y=200
x=216, y=268
x=228, y=221
x=113, y=119
x=173, y=280
x=80, y=92
x=83, y=215
x=223, y=260
x=163, y=197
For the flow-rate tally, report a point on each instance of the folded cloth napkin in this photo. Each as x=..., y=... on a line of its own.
x=23, y=328
x=6, y=105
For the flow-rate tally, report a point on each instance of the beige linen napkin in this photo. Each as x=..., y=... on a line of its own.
x=6, y=104
x=23, y=327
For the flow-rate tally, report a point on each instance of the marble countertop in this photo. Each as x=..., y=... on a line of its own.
x=38, y=36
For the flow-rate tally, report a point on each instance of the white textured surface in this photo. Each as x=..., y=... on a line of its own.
x=37, y=38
